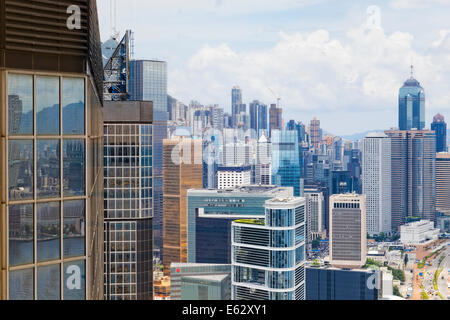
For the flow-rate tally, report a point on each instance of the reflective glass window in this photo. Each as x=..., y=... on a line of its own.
x=74, y=280
x=74, y=167
x=20, y=169
x=48, y=168
x=48, y=282
x=21, y=234
x=48, y=231
x=73, y=105
x=74, y=228
x=47, y=105
x=20, y=104
x=21, y=284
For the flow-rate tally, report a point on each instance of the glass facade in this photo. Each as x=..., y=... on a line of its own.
x=286, y=168
x=148, y=82
x=128, y=159
x=211, y=212
x=411, y=106
x=268, y=255
x=46, y=165
x=335, y=284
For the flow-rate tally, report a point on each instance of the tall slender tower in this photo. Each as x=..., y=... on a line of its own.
x=377, y=182
x=411, y=105
x=440, y=128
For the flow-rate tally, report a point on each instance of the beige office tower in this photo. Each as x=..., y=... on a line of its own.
x=182, y=170
x=348, y=237
x=51, y=148
x=443, y=183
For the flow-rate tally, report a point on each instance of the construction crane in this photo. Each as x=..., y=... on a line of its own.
x=276, y=96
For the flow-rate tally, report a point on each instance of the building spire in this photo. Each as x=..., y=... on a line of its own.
x=412, y=71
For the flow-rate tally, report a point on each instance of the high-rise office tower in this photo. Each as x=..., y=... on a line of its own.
x=315, y=133
x=440, y=128
x=210, y=213
x=148, y=82
x=275, y=118
x=51, y=166
x=411, y=105
x=376, y=180
x=263, y=163
x=348, y=235
x=128, y=200
x=315, y=217
x=182, y=170
x=443, y=183
x=268, y=260
x=258, y=118
x=413, y=171
x=285, y=160
x=236, y=105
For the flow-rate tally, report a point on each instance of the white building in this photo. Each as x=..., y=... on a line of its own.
x=231, y=177
x=348, y=237
x=263, y=163
x=268, y=255
x=376, y=181
x=315, y=208
x=418, y=232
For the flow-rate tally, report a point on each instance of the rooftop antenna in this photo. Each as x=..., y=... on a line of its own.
x=412, y=71
x=113, y=19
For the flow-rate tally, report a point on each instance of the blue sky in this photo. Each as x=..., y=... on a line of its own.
x=325, y=58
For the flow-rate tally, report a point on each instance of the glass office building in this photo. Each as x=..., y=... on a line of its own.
x=286, y=169
x=439, y=126
x=210, y=213
x=411, y=106
x=268, y=255
x=339, y=284
x=50, y=155
x=148, y=82
x=128, y=200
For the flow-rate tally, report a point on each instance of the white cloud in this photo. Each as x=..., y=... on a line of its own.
x=315, y=73
x=414, y=4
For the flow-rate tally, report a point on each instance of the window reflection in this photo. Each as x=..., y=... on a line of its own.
x=20, y=174
x=73, y=105
x=48, y=168
x=20, y=104
x=20, y=234
x=21, y=284
x=47, y=105
x=74, y=166
x=48, y=283
x=48, y=231
x=75, y=280
x=74, y=228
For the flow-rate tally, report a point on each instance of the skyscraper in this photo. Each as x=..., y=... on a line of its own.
x=285, y=160
x=51, y=173
x=182, y=170
x=443, y=183
x=258, y=118
x=148, y=82
x=411, y=105
x=128, y=200
x=348, y=235
x=236, y=105
x=275, y=118
x=376, y=179
x=440, y=128
x=210, y=213
x=268, y=260
x=413, y=171
x=315, y=134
